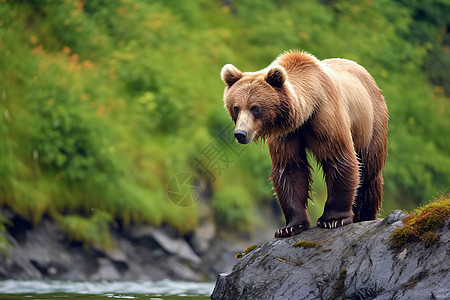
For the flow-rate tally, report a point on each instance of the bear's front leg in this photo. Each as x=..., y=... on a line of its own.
x=342, y=179
x=291, y=180
x=291, y=183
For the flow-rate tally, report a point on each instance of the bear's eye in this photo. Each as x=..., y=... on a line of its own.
x=236, y=109
x=254, y=109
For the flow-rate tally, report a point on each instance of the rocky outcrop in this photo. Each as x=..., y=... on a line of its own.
x=143, y=253
x=350, y=262
x=139, y=253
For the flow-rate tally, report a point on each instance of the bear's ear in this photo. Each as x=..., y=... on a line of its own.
x=276, y=76
x=230, y=74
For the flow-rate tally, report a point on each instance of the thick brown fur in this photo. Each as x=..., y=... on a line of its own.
x=333, y=108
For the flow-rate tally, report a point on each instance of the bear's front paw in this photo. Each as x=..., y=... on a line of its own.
x=334, y=223
x=289, y=231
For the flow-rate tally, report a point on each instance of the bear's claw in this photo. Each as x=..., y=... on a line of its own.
x=289, y=231
x=334, y=223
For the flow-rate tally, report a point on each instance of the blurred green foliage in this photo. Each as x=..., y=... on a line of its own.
x=103, y=102
x=90, y=231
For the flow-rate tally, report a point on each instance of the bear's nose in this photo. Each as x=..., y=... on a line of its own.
x=240, y=136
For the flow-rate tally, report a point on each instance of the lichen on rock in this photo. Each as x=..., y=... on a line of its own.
x=306, y=245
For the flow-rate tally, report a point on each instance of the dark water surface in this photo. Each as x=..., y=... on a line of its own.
x=151, y=290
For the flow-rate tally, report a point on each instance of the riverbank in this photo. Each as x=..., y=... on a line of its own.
x=140, y=252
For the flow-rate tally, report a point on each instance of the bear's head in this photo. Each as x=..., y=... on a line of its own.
x=258, y=102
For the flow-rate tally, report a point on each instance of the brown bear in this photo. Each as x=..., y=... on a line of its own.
x=331, y=107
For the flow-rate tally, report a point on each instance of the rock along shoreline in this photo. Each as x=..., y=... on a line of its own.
x=140, y=252
x=351, y=262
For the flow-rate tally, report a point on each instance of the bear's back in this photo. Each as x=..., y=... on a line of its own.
x=362, y=95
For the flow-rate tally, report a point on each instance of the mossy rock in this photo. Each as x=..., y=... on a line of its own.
x=422, y=224
x=247, y=251
x=339, y=290
x=306, y=245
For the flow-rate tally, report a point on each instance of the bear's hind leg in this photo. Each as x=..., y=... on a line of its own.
x=370, y=193
x=342, y=178
x=368, y=199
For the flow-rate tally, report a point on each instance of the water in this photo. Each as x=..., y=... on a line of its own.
x=150, y=290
